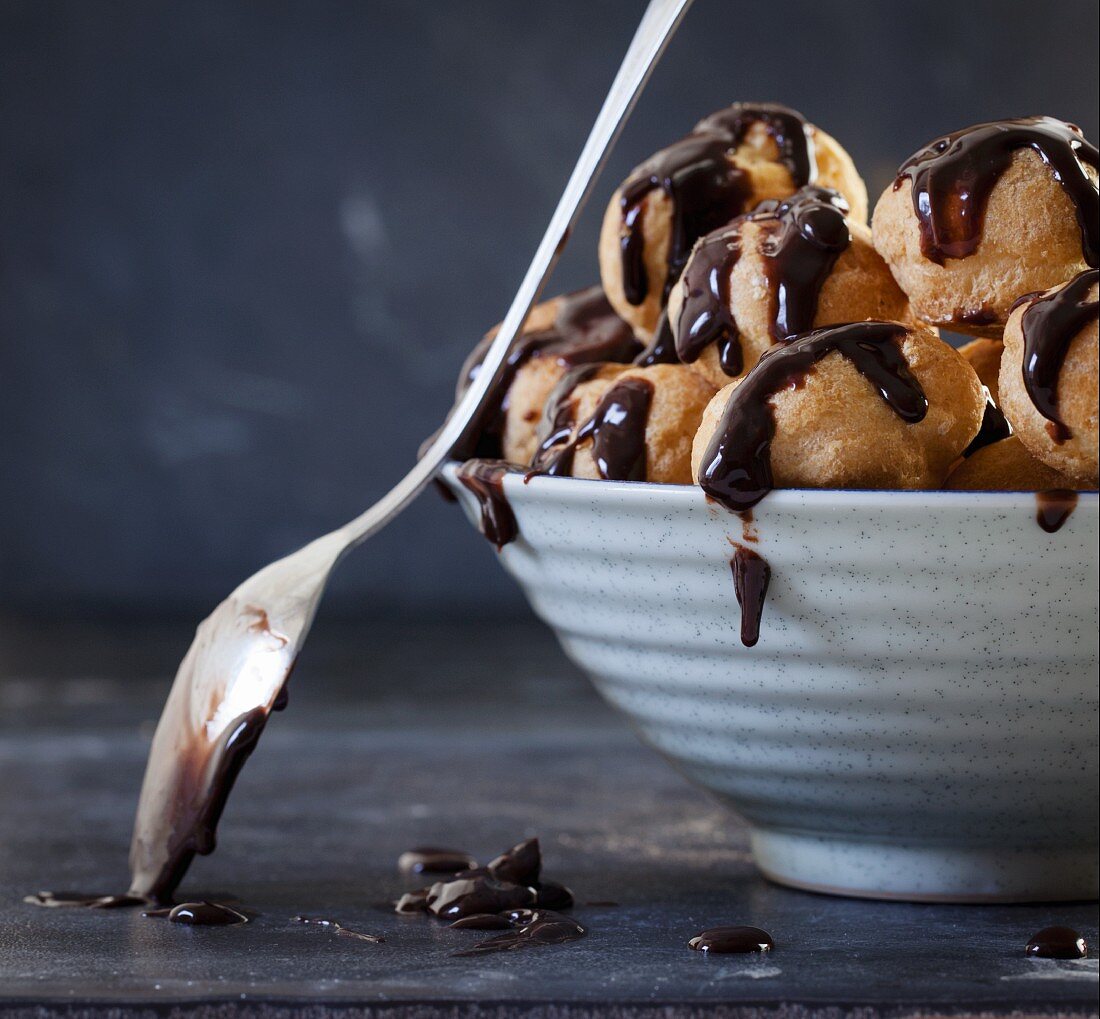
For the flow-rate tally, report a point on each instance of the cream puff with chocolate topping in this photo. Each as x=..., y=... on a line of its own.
x=861, y=405
x=733, y=160
x=980, y=216
x=1049, y=376
x=630, y=425
x=1005, y=466
x=785, y=268
x=577, y=328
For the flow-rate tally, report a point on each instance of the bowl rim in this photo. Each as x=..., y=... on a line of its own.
x=644, y=492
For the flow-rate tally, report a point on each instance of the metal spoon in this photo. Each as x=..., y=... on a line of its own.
x=236, y=668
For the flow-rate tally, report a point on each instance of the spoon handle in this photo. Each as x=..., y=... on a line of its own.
x=660, y=21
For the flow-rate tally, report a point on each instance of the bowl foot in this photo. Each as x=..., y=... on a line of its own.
x=874, y=870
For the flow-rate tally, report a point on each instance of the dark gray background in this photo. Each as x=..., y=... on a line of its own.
x=244, y=246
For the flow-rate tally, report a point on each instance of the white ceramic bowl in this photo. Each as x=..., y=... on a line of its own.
x=919, y=718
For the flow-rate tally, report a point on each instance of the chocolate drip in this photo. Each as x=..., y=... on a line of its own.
x=536, y=927
x=994, y=427
x=704, y=187
x=1049, y=325
x=83, y=900
x=430, y=860
x=485, y=478
x=617, y=430
x=803, y=237
x=1057, y=943
x=585, y=330
x=662, y=348
x=751, y=575
x=1053, y=508
x=453, y=900
x=736, y=469
x=200, y=914
x=725, y=940
x=953, y=176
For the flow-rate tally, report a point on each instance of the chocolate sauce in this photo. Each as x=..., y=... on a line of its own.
x=586, y=330
x=728, y=940
x=197, y=822
x=339, y=929
x=82, y=900
x=953, y=176
x=521, y=865
x=552, y=895
x=662, y=348
x=803, y=236
x=200, y=914
x=412, y=902
x=704, y=187
x=483, y=922
x=1049, y=325
x=453, y=900
x=1057, y=943
x=536, y=928
x=617, y=431
x=736, y=469
x=751, y=575
x=557, y=416
x=485, y=478
x=994, y=427
x=430, y=860
x=1053, y=508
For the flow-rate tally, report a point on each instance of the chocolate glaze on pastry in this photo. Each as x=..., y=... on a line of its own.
x=585, y=330
x=705, y=188
x=953, y=176
x=736, y=468
x=1049, y=325
x=806, y=233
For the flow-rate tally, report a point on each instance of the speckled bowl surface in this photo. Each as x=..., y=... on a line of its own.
x=919, y=718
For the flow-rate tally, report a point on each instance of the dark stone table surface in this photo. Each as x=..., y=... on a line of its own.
x=475, y=736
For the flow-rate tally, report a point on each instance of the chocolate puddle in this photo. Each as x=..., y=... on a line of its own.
x=705, y=189
x=200, y=914
x=1049, y=325
x=1053, y=508
x=430, y=860
x=1057, y=943
x=804, y=235
x=736, y=468
x=953, y=176
x=729, y=940
x=536, y=928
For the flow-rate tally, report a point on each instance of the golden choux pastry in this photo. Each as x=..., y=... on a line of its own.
x=1048, y=378
x=577, y=328
x=978, y=217
x=984, y=356
x=1005, y=466
x=862, y=405
x=733, y=160
x=783, y=269
x=633, y=424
